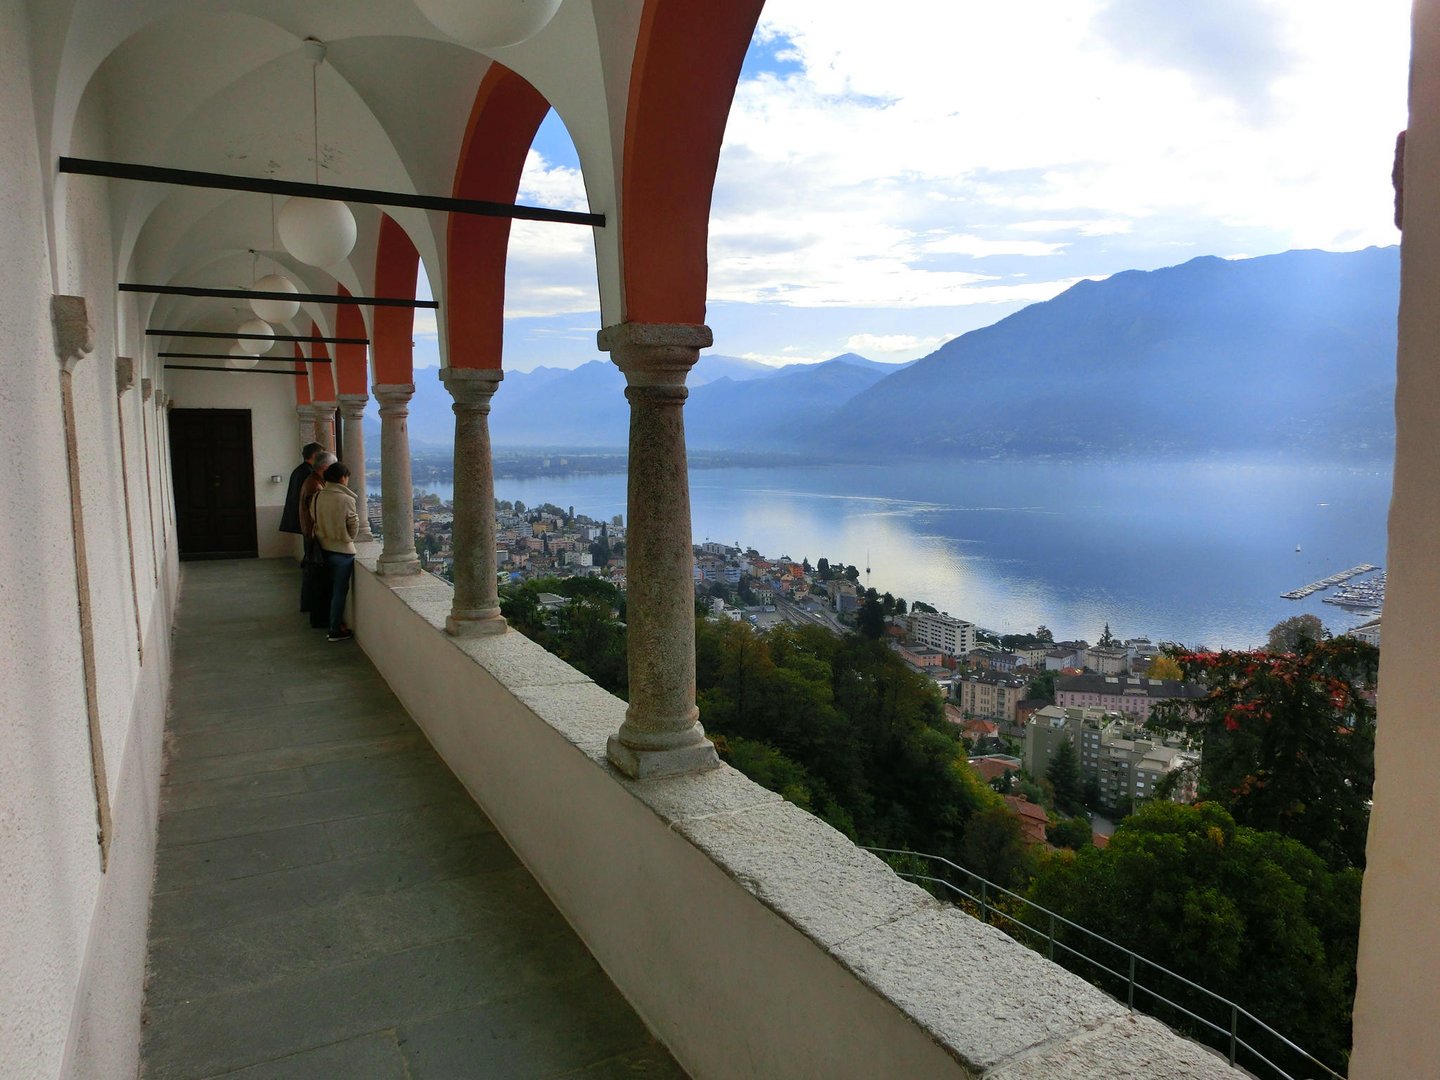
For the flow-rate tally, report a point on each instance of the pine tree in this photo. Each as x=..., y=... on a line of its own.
x=1064, y=777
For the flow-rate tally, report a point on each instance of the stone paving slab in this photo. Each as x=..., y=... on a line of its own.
x=329, y=901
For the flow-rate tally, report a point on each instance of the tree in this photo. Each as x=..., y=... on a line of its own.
x=1286, y=635
x=1287, y=740
x=1074, y=833
x=887, y=604
x=872, y=617
x=852, y=573
x=1042, y=687
x=1064, y=775
x=994, y=847
x=920, y=605
x=1164, y=667
x=900, y=608
x=1042, y=633
x=1251, y=915
x=1107, y=639
x=822, y=569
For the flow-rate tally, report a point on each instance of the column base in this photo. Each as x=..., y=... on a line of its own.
x=652, y=764
x=476, y=625
x=364, y=536
x=401, y=567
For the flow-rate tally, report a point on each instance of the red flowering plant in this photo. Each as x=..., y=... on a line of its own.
x=1286, y=740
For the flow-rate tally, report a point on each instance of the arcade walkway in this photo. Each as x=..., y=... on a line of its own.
x=328, y=900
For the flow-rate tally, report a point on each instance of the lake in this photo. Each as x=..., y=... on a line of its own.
x=1195, y=552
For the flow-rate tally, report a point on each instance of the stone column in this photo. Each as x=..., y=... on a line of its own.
x=352, y=409
x=396, y=491
x=661, y=735
x=306, y=416
x=324, y=412
x=476, y=609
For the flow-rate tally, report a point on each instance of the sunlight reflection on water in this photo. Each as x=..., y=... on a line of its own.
x=1197, y=553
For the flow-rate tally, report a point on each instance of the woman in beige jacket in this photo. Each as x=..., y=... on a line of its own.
x=336, y=524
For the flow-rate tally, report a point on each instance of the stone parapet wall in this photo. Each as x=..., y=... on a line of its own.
x=754, y=939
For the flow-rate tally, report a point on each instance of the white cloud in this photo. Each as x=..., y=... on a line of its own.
x=550, y=269
x=896, y=346
x=948, y=130
x=977, y=248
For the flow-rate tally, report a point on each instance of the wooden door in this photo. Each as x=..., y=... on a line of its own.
x=214, y=473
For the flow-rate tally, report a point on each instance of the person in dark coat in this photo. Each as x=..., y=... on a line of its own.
x=314, y=579
x=290, y=516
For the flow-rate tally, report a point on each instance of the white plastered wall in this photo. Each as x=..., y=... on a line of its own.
x=73, y=937
x=1396, y=1034
x=274, y=436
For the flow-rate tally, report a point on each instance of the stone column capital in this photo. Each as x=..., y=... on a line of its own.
x=394, y=398
x=352, y=405
x=655, y=354
x=393, y=393
x=304, y=412
x=74, y=330
x=324, y=408
x=124, y=374
x=147, y=388
x=472, y=388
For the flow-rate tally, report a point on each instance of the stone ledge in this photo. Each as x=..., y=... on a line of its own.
x=999, y=1010
x=1132, y=1047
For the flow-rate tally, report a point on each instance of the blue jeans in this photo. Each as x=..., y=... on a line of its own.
x=340, y=565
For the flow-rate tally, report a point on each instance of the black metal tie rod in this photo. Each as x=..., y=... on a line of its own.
x=154, y=174
x=233, y=370
x=227, y=356
x=256, y=294
x=259, y=337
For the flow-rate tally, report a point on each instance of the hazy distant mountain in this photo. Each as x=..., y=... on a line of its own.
x=761, y=413
x=712, y=366
x=733, y=399
x=1285, y=353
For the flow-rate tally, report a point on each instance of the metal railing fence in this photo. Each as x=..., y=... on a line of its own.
x=1002, y=908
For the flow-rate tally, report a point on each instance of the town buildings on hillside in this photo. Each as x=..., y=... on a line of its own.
x=1124, y=761
x=1132, y=695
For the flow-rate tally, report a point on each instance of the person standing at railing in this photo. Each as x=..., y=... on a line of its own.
x=290, y=515
x=336, y=525
x=315, y=579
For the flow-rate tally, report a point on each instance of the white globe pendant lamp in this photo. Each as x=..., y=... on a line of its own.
x=489, y=24
x=240, y=358
x=319, y=232
x=259, y=327
x=275, y=311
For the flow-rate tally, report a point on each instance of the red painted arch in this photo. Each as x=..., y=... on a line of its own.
x=503, y=121
x=687, y=61
x=351, y=376
x=322, y=379
x=397, y=267
x=302, y=377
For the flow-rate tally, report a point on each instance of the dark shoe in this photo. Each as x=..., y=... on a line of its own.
x=340, y=635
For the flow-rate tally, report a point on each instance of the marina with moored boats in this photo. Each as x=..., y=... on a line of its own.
x=1339, y=579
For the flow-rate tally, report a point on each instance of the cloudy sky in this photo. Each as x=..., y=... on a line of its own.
x=889, y=183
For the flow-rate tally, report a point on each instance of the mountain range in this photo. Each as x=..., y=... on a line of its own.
x=1290, y=353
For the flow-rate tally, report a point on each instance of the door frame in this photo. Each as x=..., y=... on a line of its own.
x=253, y=551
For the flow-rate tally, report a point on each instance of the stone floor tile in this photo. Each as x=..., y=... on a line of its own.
x=189, y=865
x=370, y=1057
x=324, y=881
x=234, y=789
x=525, y=1036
